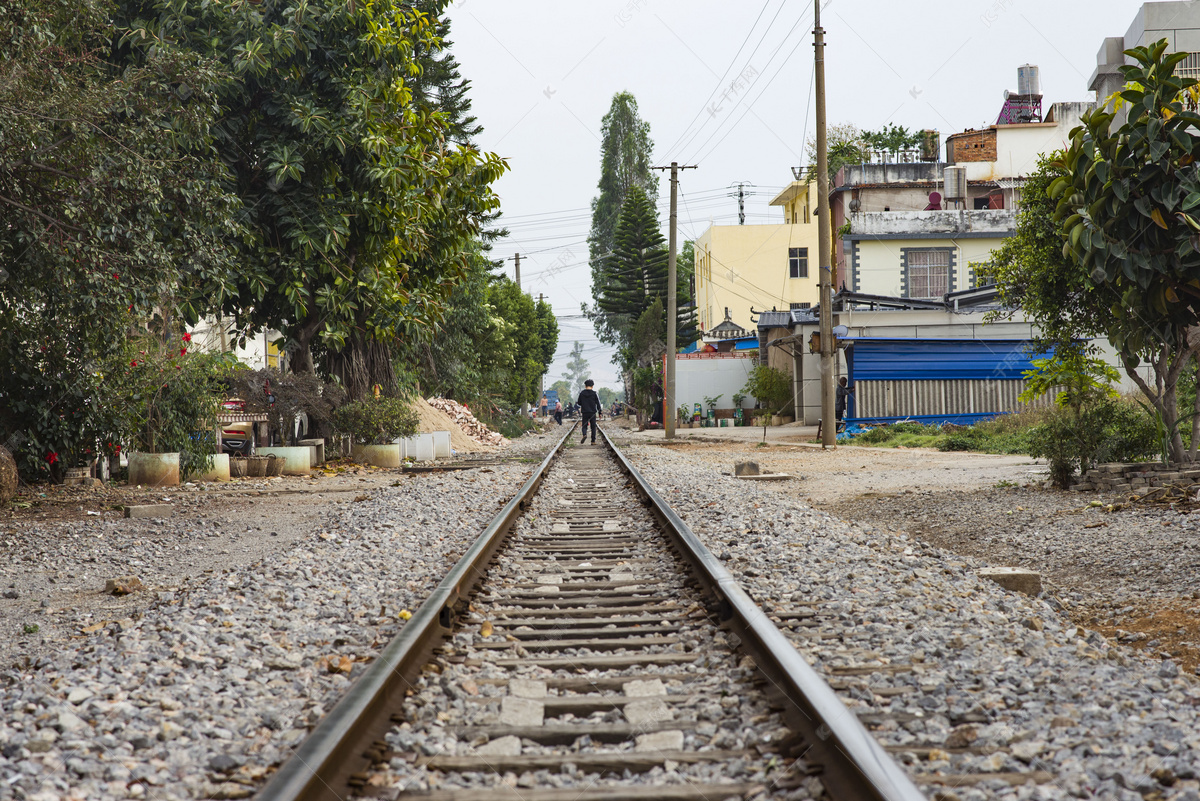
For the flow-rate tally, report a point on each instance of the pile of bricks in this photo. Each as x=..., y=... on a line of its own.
x=1135, y=476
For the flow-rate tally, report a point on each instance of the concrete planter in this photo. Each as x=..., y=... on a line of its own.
x=219, y=471
x=781, y=419
x=378, y=455
x=154, y=469
x=319, y=446
x=420, y=447
x=297, y=461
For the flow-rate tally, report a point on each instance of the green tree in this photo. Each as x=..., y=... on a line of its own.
x=891, y=139
x=577, y=369
x=564, y=390
x=520, y=336
x=635, y=278
x=1125, y=206
x=110, y=212
x=607, y=396
x=625, y=150
x=361, y=212
x=844, y=145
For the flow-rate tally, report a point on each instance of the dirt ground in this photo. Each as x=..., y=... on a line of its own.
x=1127, y=574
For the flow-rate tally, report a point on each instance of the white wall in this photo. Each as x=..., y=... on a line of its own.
x=697, y=378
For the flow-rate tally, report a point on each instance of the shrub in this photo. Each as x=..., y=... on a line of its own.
x=376, y=421
x=1110, y=430
x=770, y=387
x=876, y=436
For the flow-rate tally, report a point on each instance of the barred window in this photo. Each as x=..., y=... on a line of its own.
x=928, y=273
x=800, y=306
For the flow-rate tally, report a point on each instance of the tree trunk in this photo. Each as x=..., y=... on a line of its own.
x=300, y=348
x=1168, y=363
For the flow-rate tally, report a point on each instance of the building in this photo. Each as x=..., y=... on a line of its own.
x=920, y=228
x=1177, y=22
x=743, y=267
x=934, y=360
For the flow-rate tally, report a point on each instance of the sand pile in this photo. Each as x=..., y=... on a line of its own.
x=431, y=419
x=467, y=422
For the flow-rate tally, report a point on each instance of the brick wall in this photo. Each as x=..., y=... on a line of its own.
x=973, y=146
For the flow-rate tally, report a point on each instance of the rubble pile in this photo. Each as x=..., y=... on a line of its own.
x=466, y=421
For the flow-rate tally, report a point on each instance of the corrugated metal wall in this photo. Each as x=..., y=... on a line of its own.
x=917, y=398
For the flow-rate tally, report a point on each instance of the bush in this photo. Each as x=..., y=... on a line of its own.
x=876, y=436
x=1111, y=430
x=376, y=421
x=966, y=441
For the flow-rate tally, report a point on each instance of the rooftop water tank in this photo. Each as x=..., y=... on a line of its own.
x=1027, y=80
x=956, y=183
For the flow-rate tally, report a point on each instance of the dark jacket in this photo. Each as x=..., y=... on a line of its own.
x=589, y=403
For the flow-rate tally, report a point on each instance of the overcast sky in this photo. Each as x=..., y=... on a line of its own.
x=728, y=87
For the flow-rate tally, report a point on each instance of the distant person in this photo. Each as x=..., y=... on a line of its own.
x=589, y=407
x=558, y=412
x=843, y=394
x=544, y=403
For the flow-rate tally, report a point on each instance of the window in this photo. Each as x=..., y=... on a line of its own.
x=928, y=273
x=798, y=262
x=800, y=306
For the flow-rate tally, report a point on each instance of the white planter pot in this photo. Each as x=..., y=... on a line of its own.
x=420, y=447
x=297, y=461
x=154, y=469
x=378, y=455
x=219, y=471
x=441, y=444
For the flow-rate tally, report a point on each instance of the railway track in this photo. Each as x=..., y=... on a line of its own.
x=589, y=647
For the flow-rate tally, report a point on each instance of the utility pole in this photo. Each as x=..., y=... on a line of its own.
x=672, y=308
x=824, y=246
x=517, y=260
x=542, y=379
x=741, y=196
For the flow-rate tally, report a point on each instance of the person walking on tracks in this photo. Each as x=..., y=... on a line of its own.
x=589, y=407
x=558, y=412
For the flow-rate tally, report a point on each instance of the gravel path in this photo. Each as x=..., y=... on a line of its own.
x=212, y=684
x=961, y=679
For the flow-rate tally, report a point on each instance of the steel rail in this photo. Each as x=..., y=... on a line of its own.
x=341, y=743
x=855, y=766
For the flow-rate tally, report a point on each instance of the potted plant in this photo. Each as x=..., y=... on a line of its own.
x=374, y=424
x=169, y=398
x=685, y=415
x=772, y=388
x=738, y=397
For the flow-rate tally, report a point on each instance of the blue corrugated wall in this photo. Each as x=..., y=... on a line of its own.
x=936, y=359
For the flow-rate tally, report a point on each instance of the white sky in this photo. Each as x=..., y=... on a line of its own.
x=544, y=74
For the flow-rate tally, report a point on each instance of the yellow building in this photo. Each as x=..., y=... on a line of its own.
x=740, y=267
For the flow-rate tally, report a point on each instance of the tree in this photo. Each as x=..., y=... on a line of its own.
x=607, y=396
x=1125, y=206
x=892, y=139
x=563, y=388
x=110, y=212
x=577, y=369
x=625, y=150
x=521, y=337
x=844, y=145
x=360, y=212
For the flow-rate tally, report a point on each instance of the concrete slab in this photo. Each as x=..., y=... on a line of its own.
x=516, y=711
x=1016, y=579
x=767, y=477
x=644, y=689
x=659, y=741
x=648, y=710
x=741, y=469
x=504, y=746
x=527, y=688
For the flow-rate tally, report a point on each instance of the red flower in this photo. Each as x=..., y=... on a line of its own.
x=131, y=307
x=133, y=363
x=177, y=367
x=116, y=277
x=182, y=351
x=187, y=337
x=51, y=457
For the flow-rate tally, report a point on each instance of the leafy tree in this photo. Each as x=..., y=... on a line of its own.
x=563, y=388
x=607, y=396
x=110, y=211
x=891, y=139
x=625, y=151
x=844, y=145
x=1125, y=204
x=577, y=370
x=360, y=211
x=521, y=337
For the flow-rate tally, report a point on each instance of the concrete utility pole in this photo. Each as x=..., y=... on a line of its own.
x=517, y=261
x=672, y=308
x=741, y=196
x=824, y=246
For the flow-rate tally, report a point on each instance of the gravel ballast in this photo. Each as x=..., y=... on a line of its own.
x=214, y=685
x=958, y=677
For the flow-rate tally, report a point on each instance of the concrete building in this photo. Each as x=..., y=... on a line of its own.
x=743, y=267
x=921, y=254
x=1177, y=22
